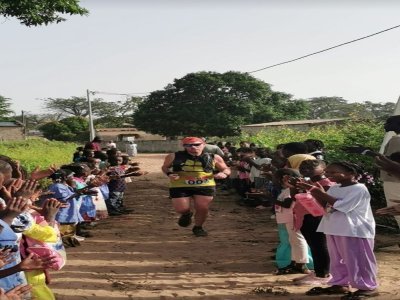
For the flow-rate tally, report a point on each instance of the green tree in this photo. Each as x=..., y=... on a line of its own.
x=211, y=104
x=328, y=107
x=40, y=12
x=5, y=104
x=106, y=114
x=337, y=107
x=67, y=129
x=119, y=114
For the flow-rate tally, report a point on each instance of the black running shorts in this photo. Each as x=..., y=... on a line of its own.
x=190, y=191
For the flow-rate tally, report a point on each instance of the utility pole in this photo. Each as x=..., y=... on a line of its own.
x=91, y=127
x=24, y=123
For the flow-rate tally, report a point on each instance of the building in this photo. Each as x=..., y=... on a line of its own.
x=126, y=134
x=11, y=131
x=302, y=125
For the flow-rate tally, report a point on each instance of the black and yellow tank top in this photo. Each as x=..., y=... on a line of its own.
x=193, y=171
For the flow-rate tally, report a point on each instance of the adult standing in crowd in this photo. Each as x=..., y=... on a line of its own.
x=131, y=148
x=191, y=177
x=391, y=184
x=211, y=148
x=111, y=145
x=95, y=144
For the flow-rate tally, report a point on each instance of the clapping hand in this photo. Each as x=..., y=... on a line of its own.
x=15, y=293
x=15, y=207
x=50, y=209
x=39, y=174
x=34, y=262
x=6, y=256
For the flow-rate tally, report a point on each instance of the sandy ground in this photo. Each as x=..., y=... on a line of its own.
x=146, y=255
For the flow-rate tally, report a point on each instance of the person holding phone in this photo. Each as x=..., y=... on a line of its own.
x=191, y=175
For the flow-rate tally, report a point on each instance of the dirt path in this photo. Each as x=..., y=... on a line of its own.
x=145, y=255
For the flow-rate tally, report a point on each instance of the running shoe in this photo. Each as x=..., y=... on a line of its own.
x=185, y=220
x=199, y=231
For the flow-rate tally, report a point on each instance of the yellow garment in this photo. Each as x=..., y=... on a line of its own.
x=193, y=175
x=37, y=278
x=41, y=233
x=40, y=291
x=297, y=159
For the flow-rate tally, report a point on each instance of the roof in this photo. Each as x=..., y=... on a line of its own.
x=115, y=132
x=10, y=124
x=295, y=122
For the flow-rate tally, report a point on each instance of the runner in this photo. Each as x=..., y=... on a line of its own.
x=192, y=177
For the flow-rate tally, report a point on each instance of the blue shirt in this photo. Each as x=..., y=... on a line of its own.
x=9, y=238
x=71, y=213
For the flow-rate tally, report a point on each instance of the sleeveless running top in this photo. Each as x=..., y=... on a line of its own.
x=193, y=171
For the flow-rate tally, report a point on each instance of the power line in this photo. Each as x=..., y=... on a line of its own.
x=327, y=49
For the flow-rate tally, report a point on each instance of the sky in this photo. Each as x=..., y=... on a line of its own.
x=139, y=46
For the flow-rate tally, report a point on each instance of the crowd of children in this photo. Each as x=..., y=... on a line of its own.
x=36, y=225
x=323, y=214
x=324, y=218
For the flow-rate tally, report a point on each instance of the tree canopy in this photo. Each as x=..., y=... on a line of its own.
x=337, y=107
x=213, y=104
x=5, y=104
x=40, y=12
x=105, y=114
x=67, y=129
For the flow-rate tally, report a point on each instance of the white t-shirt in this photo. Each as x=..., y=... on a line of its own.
x=351, y=214
x=254, y=172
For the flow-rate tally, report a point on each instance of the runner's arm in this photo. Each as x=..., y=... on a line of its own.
x=168, y=164
x=224, y=170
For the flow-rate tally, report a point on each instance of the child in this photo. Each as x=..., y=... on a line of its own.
x=69, y=215
x=284, y=217
x=116, y=186
x=350, y=230
x=308, y=224
x=243, y=168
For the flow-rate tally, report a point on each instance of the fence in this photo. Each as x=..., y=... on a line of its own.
x=166, y=146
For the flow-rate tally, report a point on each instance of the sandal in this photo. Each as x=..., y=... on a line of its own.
x=292, y=270
x=331, y=290
x=360, y=294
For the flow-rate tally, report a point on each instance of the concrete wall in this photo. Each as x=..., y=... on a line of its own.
x=11, y=133
x=167, y=146
x=257, y=129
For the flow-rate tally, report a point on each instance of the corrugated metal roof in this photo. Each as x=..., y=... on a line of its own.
x=10, y=124
x=295, y=122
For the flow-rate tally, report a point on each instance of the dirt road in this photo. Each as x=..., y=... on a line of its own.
x=146, y=255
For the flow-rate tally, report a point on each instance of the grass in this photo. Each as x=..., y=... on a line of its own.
x=38, y=152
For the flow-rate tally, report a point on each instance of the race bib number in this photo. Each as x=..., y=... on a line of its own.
x=197, y=181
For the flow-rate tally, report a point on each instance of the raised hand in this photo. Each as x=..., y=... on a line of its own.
x=29, y=190
x=15, y=207
x=39, y=174
x=50, y=209
x=8, y=191
x=5, y=256
x=15, y=293
x=34, y=262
